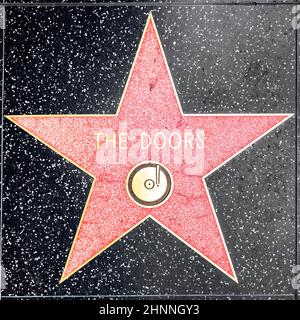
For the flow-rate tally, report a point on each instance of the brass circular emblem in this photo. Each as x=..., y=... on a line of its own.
x=149, y=184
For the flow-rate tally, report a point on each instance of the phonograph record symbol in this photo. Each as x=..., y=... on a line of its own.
x=133, y=182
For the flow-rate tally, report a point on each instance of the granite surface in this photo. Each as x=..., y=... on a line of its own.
x=223, y=59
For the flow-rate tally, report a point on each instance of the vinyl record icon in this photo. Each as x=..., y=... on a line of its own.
x=149, y=184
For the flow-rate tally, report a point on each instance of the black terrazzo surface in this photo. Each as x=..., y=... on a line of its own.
x=238, y=59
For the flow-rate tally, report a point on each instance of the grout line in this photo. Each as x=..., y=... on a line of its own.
x=151, y=295
x=296, y=154
x=146, y=4
x=2, y=158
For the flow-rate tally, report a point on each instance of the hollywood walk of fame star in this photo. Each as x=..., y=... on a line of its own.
x=149, y=101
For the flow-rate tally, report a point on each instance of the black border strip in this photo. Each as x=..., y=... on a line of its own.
x=146, y=4
x=296, y=152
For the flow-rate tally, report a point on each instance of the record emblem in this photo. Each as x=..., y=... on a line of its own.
x=149, y=184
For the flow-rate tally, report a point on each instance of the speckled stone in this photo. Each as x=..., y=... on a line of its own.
x=2, y=278
x=237, y=59
x=298, y=161
x=153, y=2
